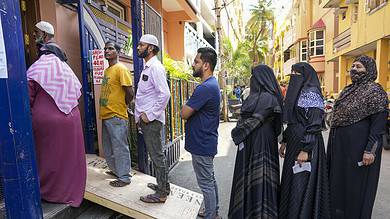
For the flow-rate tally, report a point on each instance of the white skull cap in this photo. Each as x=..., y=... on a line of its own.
x=45, y=27
x=149, y=39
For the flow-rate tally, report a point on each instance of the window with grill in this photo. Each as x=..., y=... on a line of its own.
x=116, y=9
x=316, y=39
x=303, y=52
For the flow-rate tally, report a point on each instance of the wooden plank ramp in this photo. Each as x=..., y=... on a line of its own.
x=181, y=203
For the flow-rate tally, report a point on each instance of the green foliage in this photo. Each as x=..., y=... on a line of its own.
x=128, y=48
x=259, y=30
x=254, y=48
x=177, y=69
x=237, y=62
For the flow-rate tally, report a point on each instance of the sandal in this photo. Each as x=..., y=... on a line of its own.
x=153, y=198
x=109, y=172
x=202, y=211
x=154, y=187
x=118, y=183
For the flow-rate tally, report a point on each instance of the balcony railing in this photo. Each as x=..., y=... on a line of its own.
x=192, y=41
x=332, y=3
x=288, y=39
x=288, y=64
x=343, y=40
x=113, y=28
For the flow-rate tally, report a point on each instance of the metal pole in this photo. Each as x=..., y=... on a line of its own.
x=136, y=26
x=17, y=154
x=87, y=91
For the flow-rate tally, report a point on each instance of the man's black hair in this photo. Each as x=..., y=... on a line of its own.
x=155, y=49
x=208, y=55
x=116, y=46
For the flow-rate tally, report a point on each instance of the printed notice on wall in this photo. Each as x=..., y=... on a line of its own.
x=3, y=57
x=98, y=65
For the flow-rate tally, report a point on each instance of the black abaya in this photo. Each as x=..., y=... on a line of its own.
x=353, y=188
x=256, y=175
x=306, y=194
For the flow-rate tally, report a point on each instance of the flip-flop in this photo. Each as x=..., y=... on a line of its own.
x=118, y=183
x=201, y=212
x=109, y=172
x=153, y=198
x=154, y=187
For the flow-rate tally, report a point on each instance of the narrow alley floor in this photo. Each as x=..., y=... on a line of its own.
x=183, y=174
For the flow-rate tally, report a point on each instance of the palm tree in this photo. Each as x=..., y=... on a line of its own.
x=237, y=61
x=259, y=29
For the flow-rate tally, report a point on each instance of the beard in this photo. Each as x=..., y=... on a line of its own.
x=197, y=73
x=143, y=54
x=39, y=40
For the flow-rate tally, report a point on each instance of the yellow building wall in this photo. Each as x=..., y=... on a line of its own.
x=327, y=15
x=346, y=23
x=374, y=26
x=369, y=28
x=367, y=32
x=303, y=15
x=388, y=74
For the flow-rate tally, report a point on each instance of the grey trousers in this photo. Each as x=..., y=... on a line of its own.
x=204, y=171
x=152, y=136
x=116, y=147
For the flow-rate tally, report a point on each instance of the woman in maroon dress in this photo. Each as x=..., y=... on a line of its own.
x=54, y=91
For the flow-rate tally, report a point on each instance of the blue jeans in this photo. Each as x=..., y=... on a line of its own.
x=204, y=171
x=116, y=147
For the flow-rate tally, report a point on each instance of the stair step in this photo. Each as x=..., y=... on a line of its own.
x=97, y=212
x=63, y=211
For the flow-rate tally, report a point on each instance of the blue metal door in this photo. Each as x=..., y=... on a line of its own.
x=18, y=171
x=89, y=109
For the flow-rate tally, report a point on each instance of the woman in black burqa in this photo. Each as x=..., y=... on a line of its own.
x=357, y=129
x=255, y=187
x=304, y=194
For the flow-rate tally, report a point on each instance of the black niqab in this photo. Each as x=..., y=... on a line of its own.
x=265, y=97
x=307, y=81
x=262, y=80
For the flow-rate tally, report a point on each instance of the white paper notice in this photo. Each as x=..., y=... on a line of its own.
x=306, y=166
x=3, y=57
x=98, y=65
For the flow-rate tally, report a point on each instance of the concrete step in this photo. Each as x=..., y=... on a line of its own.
x=87, y=210
x=56, y=211
x=63, y=211
x=97, y=212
